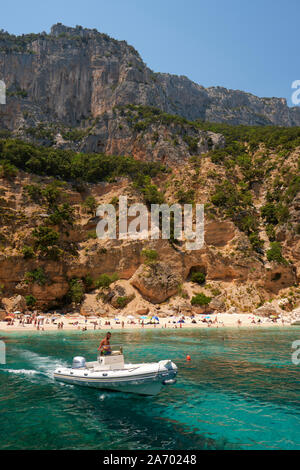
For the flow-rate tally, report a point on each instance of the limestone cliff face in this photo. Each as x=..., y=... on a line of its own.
x=76, y=89
x=115, y=134
x=73, y=74
x=238, y=276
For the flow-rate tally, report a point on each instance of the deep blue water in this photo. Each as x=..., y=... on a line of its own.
x=240, y=391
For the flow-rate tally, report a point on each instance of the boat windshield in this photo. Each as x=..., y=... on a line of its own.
x=115, y=349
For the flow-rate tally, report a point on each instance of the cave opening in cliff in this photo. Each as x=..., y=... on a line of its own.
x=197, y=269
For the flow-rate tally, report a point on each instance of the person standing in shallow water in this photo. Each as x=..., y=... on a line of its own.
x=104, y=347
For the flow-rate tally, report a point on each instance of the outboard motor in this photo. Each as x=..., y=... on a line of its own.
x=78, y=362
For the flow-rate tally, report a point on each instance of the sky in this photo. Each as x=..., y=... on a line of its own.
x=246, y=45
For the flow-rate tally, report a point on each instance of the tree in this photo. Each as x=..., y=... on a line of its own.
x=90, y=204
x=30, y=300
x=76, y=291
x=62, y=215
x=46, y=241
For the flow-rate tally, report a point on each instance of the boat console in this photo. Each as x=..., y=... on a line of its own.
x=112, y=361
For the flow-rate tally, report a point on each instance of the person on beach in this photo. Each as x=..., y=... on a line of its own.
x=104, y=347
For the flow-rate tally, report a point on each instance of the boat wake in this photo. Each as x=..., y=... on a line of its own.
x=39, y=365
x=21, y=371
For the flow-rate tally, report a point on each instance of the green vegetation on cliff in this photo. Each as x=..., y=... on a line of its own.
x=69, y=165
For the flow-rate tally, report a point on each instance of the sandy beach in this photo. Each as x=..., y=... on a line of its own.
x=93, y=323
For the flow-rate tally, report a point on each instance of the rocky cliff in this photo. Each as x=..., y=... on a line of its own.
x=75, y=74
x=85, y=122
x=50, y=254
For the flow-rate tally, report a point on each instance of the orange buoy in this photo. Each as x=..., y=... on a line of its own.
x=188, y=358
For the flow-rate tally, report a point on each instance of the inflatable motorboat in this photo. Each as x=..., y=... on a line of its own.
x=111, y=373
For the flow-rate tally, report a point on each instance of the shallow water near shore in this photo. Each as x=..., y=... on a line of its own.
x=240, y=391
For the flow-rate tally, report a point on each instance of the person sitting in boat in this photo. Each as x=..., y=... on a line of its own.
x=104, y=348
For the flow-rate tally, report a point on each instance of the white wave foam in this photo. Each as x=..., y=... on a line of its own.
x=21, y=371
x=43, y=364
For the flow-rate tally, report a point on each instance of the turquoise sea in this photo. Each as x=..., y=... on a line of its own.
x=240, y=391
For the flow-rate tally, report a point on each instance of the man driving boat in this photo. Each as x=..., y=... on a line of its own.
x=104, y=348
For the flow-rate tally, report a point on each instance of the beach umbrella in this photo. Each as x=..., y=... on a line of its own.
x=155, y=318
x=8, y=318
x=130, y=317
x=144, y=317
x=17, y=312
x=117, y=319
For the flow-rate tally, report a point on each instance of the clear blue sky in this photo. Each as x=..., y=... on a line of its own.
x=251, y=45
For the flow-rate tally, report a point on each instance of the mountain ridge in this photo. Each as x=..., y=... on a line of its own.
x=75, y=73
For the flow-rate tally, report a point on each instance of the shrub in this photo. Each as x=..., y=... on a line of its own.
x=115, y=201
x=270, y=232
x=30, y=300
x=282, y=213
x=7, y=170
x=123, y=301
x=230, y=197
x=200, y=299
x=192, y=143
x=61, y=215
x=218, y=156
x=46, y=240
x=75, y=135
x=28, y=252
x=268, y=212
x=90, y=205
x=36, y=276
x=150, y=255
x=92, y=235
x=198, y=277
x=256, y=242
x=51, y=193
x=34, y=192
x=105, y=280
x=76, y=291
x=87, y=281
x=150, y=191
x=185, y=197
x=275, y=254
x=215, y=291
